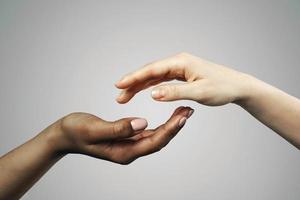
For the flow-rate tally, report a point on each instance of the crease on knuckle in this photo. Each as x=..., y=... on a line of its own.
x=173, y=91
x=151, y=71
x=117, y=129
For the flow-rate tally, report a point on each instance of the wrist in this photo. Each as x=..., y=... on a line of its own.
x=53, y=138
x=248, y=87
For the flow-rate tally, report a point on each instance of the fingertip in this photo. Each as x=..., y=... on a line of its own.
x=121, y=98
x=139, y=124
x=177, y=110
x=179, y=113
x=184, y=115
x=123, y=83
x=118, y=85
x=180, y=116
x=187, y=112
x=191, y=112
x=121, y=101
x=155, y=94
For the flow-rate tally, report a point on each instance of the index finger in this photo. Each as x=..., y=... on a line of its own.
x=167, y=68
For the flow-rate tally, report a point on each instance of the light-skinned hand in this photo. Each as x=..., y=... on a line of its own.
x=204, y=82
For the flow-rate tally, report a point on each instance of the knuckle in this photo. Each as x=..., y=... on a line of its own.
x=151, y=71
x=121, y=128
x=182, y=55
x=179, y=61
x=183, y=59
x=174, y=91
x=117, y=129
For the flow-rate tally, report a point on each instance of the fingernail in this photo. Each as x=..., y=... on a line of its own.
x=138, y=124
x=182, y=122
x=190, y=113
x=157, y=93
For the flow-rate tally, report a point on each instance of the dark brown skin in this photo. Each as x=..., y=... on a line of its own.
x=86, y=134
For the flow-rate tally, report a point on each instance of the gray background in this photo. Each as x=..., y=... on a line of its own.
x=58, y=57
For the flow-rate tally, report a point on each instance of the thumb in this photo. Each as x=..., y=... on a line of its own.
x=172, y=92
x=123, y=128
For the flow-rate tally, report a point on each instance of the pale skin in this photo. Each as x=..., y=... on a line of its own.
x=215, y=85
x=121, y=141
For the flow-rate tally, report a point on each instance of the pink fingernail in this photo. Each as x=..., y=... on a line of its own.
x=139, y=124
x=190, y=113
x=182, y=122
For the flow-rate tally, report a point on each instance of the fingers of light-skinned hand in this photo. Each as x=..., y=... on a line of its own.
x=171, y=67
x=129, y=93
x=177, y=91
x=162, y=135
x=119, y=129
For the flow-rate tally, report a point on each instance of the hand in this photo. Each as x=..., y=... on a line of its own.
x=214, y=85
x=205, y=82
x=121, y=141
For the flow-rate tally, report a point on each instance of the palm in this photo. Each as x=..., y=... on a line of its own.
x=90, y=135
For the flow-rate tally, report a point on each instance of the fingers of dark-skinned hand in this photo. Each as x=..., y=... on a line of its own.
x=123, y=128
x=162, y=135
x=126, y=150
x=147, y=133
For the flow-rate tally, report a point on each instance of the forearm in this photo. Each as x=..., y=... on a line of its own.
x=23, y=166
x=274, y=108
